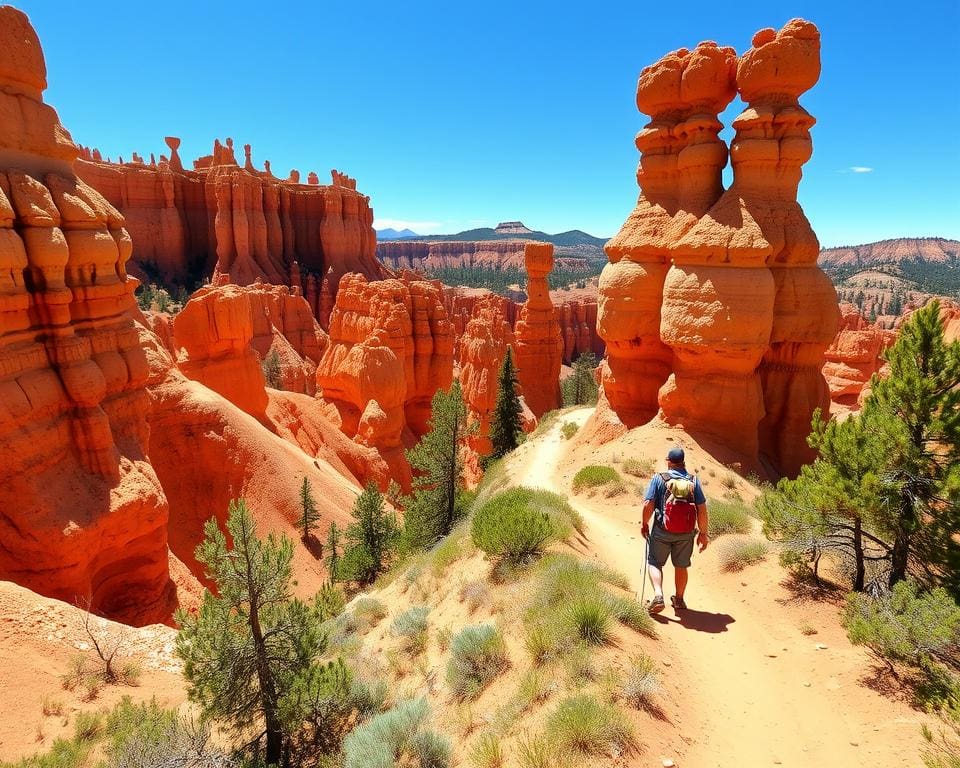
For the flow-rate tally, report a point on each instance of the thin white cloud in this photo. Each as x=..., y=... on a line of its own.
x=860, y=169
x=420, y=227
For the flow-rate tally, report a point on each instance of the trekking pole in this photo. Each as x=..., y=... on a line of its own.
x=646, y=552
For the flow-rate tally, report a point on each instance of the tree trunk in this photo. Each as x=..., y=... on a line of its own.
x=901, y=554
x=901, y=541
x=859, y=574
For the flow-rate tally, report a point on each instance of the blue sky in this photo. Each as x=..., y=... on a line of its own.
x=455, y=115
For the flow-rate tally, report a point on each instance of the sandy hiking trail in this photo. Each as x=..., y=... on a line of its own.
x=758, y=691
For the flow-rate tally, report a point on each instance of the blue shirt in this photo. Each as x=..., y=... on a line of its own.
x=657, y=491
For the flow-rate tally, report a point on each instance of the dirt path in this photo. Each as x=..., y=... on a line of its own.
x=760, y=691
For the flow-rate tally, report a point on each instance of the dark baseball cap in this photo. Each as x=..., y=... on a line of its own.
x=676, y=455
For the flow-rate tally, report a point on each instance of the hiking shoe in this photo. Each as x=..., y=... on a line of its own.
x=678, y=604
x=655, y=605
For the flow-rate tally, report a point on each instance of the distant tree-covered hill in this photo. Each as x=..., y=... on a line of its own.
x=882, y=278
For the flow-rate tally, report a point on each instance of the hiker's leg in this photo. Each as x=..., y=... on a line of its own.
x=656, y=578
x=680, y=576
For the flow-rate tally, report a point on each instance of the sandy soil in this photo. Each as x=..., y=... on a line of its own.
x=758, y=691
x=38, y=639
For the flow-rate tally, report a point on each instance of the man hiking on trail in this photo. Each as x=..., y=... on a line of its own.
x=676, y=502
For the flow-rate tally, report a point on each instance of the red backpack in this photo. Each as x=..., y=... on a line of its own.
x=679, y=508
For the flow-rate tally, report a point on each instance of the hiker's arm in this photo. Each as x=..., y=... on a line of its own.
x=647, y=514
x=703, y=525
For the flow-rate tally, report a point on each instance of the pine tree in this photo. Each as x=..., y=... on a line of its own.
x=885, y=488
x=581, y=387
x=333, y=548
x=309, y=516
x=271, y=370
x=505, y=425
x=369, y=540
x=251, y=653
x=437, y=463
x=918, y=404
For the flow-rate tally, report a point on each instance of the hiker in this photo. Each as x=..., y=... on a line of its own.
x=676, y=502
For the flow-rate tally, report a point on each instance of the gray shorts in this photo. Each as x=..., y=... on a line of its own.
x=679, y=546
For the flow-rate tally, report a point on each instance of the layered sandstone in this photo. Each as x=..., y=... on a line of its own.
x=854, y=356
x=224, y=333
x=213, y=334
x=538, y=343
x=679, y=177
x=207, y=451
x=745, y=315
x=390, y=349
x=221, y=218
x=428, y=256
x=577, y=314
x=82, y=514
x=482, y=349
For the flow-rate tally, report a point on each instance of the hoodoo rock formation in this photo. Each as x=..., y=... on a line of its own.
x=679, y=176
x=854, y=356
x=482, y=349
x=576, y=312
x=727, y=339
x=425, y=256
x=538, y=343
x=226, y=219
x=82, y=514
x=390, y=349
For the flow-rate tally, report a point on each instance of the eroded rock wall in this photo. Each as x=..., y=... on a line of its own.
x=425, y=256
x=390, y=349
x=854, y=356
x=82, y=514
x=224, y=219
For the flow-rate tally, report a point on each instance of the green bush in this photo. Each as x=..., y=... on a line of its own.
x=639, y=682
x=486, y=752
x=411, y=627
x=638, y=467
x=589, y=617
x=905, y=625
x=535, y=688
x=728, y=517
x=544, y=640
x=631, y=613
x=585, y=725
x=943, y=745
x=396, y=737
x=131, y=735
x=517, y=524
x=569, y=429
x=477, y=655
x=593, y=476
x=368, y=611
x=538, y=752
x=735, y=554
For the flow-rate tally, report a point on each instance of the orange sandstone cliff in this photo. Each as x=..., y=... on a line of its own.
x=82, y=514
x=390, y=349
x=226, y=219
x=745, y=315
x=482, y=349
x=854, y=356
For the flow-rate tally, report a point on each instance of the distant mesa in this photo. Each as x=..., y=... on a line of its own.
x=512, y=228
x=894, y=251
